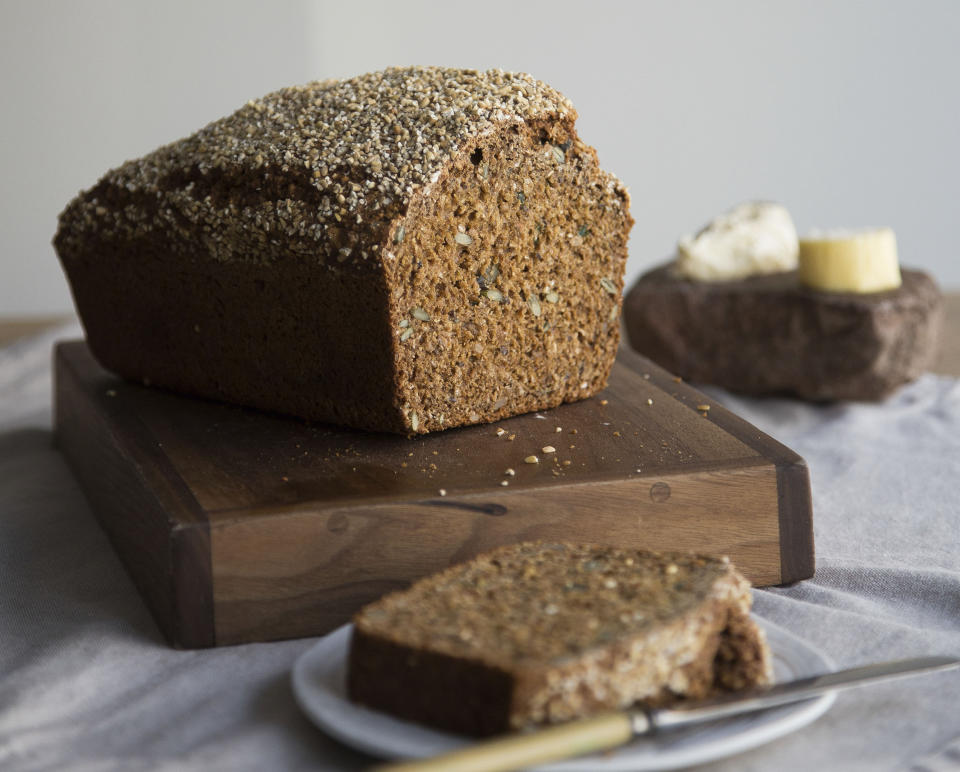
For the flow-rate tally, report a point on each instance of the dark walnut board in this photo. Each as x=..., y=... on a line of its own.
x=241, y=526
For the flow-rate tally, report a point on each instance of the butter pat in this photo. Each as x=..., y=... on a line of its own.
x=754, y=238
x=850, y=261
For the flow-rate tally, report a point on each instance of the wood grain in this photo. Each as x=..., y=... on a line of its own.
x=242, y=526
x=262, y=569
x=151, y=518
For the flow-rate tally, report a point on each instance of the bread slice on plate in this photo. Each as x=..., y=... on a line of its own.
x=539, y=633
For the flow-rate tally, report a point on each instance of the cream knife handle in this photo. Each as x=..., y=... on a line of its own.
x=519, y=751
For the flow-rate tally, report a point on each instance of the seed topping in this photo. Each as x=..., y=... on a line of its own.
x=353, y=151
x=534, y=302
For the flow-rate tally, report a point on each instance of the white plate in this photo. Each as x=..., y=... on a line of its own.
x=319, y=686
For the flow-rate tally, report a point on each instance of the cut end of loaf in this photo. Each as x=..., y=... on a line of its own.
x=507, y=279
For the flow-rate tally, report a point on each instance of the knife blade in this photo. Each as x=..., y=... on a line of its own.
x=735, y=703
x=612, y=729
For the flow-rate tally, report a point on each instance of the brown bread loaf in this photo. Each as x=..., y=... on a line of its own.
x=540, y=633
x=404, y=251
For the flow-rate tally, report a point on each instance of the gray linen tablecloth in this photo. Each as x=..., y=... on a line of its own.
x=87, y=682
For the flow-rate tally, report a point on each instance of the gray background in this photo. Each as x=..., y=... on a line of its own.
x=847, y=112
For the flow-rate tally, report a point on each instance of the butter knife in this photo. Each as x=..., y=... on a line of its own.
x=610, y=730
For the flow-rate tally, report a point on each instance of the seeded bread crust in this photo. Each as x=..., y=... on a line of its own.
x=541, y=633
x=406, y=251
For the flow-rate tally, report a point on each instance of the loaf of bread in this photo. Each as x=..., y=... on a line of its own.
x=404, y=251
x=541, y=633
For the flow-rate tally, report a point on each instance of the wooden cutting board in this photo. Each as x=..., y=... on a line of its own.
x=241, y=526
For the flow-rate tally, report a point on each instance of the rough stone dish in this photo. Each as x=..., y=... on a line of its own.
x=770, y=335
